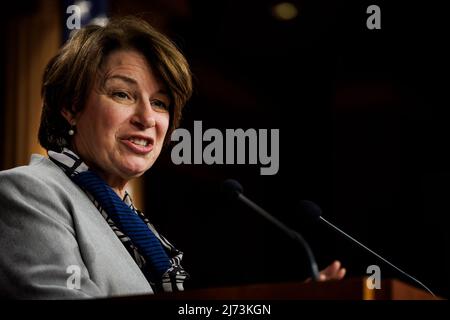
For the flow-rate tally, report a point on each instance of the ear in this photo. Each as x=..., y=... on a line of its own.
x=69, y=116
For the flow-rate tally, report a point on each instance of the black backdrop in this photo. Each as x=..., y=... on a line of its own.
x=363, y=132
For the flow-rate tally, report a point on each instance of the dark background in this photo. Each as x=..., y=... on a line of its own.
x=363, y=118
x=363, y=121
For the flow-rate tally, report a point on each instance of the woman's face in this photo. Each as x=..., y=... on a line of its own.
x=121, y=129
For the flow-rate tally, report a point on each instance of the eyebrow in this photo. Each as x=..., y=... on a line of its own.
x=123, y=78
x=133, y=82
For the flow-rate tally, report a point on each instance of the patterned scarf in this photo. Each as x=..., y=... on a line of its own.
x=174, y=277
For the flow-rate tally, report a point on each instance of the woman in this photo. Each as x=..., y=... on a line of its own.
x=111, y=97
x=68, y=228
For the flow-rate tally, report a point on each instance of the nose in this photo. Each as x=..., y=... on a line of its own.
x=144, y=116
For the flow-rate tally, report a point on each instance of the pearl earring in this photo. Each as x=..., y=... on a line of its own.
x=72, y=130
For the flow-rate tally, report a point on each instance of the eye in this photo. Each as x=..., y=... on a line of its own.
x=121, y=95
x=158, y=104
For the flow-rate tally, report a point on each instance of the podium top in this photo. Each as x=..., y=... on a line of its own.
x=347, y=289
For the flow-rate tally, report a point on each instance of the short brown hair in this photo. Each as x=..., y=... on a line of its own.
x=69, y=75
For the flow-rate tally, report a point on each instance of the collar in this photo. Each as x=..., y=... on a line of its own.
x=72, y=165
x=69, y=161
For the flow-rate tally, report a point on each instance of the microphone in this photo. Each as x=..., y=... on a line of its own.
x=235, y=191
x=313, y=211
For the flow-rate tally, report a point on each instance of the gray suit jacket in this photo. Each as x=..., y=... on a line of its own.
x=54, y=243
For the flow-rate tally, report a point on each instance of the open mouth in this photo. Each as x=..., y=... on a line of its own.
x=139, y=141
x=138, y=144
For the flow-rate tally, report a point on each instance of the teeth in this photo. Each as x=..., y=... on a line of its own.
x=141, y=142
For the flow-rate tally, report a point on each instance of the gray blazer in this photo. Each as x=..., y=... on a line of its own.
x=51, y=235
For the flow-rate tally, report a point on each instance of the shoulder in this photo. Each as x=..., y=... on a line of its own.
x=40, y=189
x=39, y=175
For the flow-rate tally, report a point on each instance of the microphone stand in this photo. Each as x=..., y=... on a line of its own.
x=290, y=232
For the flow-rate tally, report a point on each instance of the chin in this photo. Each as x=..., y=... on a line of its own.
x=136, y=168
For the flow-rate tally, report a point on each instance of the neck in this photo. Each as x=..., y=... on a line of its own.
x=117, y=184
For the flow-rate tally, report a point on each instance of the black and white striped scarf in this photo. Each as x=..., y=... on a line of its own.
x=174, y=278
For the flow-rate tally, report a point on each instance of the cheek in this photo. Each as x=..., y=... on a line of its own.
x=110, y=120
x=163, y=126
